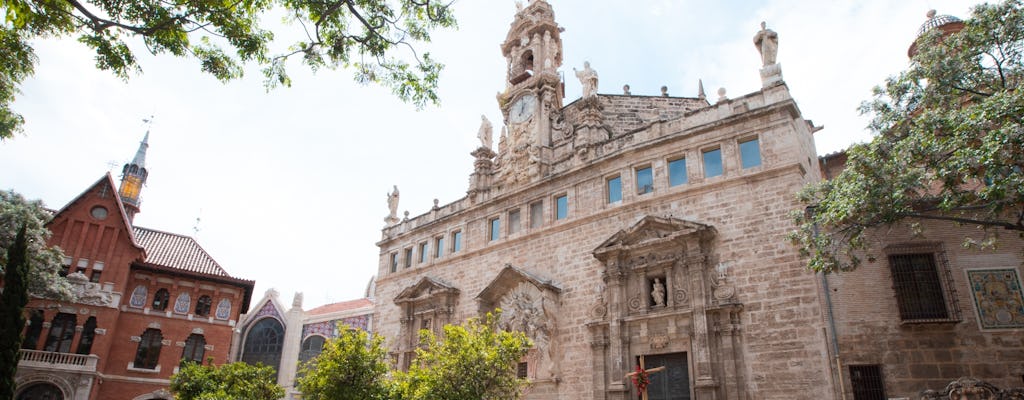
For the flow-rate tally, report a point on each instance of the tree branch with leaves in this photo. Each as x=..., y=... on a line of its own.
x=948, y=146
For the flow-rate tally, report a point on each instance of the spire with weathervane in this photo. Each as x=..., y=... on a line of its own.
x=133, y=176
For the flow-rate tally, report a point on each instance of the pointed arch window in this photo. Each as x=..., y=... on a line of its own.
x=148, y=354
x=263, y=343
x=161, y=299
x=203, y=306
x=195, y=349
x=88, y=334
x=62, y=333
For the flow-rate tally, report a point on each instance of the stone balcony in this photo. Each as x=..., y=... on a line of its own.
x=48, y=360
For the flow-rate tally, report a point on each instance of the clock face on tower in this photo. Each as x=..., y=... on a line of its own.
x=522, y=109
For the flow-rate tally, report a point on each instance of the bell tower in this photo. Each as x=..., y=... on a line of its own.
x=533, y=50
x=133, y=176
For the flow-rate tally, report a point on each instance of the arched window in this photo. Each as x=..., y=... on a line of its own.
x=41, y=391
x=203, y=306
x=62, y=332
x=161, y=299
x=263, y=343
x=182, y=303
x=88, y=334
x=33, y=330
x=138, y=299
x=311, y=347
x=148, y=354
x=195, y=349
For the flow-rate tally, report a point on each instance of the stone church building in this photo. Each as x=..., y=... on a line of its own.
x=625, y=229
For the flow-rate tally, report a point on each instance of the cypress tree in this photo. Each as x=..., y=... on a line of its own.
x=12, y=317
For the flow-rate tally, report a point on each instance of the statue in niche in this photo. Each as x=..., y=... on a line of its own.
x=658, y=293
x=767, y=43
x=588, y=79
x=485, y=133
x=393, y=205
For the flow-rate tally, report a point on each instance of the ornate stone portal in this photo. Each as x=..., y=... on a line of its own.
x=529, y=305
x=665, y=298
x=429, y=305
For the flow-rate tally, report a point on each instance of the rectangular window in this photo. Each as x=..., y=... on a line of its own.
x=95, y=276
x=915, y=279
x=521, y=370
x=644, y=180
x=866, y=381
x=561, y=207
x=439, y=246
x=408, y=257
x=677, y=172
x=456, y=241
x=513, y=221
x=423, y=252
x=750, y=153
x=614, y=189
x=712, y=163
x=536, y=214
x=495, y=229
x=394, y=262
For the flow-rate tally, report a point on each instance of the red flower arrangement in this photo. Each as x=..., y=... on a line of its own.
x=641, y=379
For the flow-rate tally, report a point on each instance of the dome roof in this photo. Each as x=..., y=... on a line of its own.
x=935, y=21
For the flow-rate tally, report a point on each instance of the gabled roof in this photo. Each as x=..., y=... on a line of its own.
x=177, y=251
x=340, y=306
x=107, y=180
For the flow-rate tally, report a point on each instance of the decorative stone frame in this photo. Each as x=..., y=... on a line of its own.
x=427, y=300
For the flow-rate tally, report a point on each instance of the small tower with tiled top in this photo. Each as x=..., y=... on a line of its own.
x=133, y=176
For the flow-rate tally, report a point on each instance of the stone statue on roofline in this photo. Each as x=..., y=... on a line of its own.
x=485, y=133
x=588, y=79
x=392, y=207
x=767, y=43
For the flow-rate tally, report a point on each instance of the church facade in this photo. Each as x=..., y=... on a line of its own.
x=626, y=230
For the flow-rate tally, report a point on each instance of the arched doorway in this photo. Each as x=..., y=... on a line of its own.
x=41, y=391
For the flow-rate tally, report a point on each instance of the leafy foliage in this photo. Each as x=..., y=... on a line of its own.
x=375, y=38
x=474, y=361
x=949, y=145
x=12, y=317
x=236, y=380
x=45, y=263
x=352, y=366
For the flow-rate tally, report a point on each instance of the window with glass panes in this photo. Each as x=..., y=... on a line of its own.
x=712, y=163
x=644, y=180
x=614, y=186
x=750, y=153
x=677, y=172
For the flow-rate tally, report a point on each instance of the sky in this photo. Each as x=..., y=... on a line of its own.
x=288, y=187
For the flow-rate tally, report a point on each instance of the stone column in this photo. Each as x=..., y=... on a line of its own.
x=617, y=348
x=291, y=345
x=704, y=381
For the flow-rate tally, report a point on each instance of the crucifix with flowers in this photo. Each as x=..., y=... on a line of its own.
x=642, y=377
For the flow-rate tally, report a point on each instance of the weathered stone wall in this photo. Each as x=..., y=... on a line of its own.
x=781, y=343
x=918, y=356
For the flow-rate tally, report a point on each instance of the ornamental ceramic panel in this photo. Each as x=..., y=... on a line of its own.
x=224, y=309
x=181, y=305
x=138, y=299
x=998, y=298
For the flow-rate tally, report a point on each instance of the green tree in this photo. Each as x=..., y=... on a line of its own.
x=234, y=381
x=12, y=306
x=44, y=262
x=949, y=146
x=375, y=38
x=474, y=361
x=352, y=366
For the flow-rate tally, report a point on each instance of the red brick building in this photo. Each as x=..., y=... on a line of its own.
x=146, y=300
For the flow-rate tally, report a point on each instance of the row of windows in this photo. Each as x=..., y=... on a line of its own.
x=82, y=267
x=182, y=304
x=61, y=335
x=494, y=232
x=750, y=156
x=147, y=356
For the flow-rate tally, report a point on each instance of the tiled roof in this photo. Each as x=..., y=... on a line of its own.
x=176, y=251
x=341, y=306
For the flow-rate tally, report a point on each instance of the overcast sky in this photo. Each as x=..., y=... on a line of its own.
x=289, y=187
